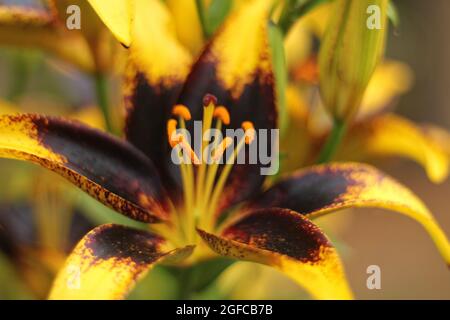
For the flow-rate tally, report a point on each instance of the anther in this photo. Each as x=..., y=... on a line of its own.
x=171, y=129
x=222, y=113
x=250, y=131
x=182, y=111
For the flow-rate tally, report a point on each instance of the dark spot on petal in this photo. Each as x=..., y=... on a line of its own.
x=105, y=166
x=122, y=243
x=305, y=193
x=281, y=231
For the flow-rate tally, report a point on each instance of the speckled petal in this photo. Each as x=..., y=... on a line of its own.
x=289, y=242
x=108, y=261
x=110, y=170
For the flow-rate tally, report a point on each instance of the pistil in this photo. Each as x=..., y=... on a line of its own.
x=201, y=198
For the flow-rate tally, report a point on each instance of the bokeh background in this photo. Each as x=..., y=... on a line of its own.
x=410, y=264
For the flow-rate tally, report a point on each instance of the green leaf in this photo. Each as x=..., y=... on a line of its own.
x=157, y=284
x=199, y=277
x=280, y=73
x=216, y=14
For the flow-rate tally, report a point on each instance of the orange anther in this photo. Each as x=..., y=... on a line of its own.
x=222, y=113
x=250, y=131
x=182, y=111
x=171, y=129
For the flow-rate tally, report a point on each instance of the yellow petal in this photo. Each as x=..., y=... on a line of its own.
x=240, y=44
x=323, y=189
x=187, y=24
x=438, y=136
x=289, y=242
x=155, y=49
x=108, y=262
x=390, y=80
x=117, y=16
x=392, y=135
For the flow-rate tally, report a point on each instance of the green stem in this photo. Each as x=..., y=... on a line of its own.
x=202, y=17
x=185, y=278
x=101, y=88
x=333, y=141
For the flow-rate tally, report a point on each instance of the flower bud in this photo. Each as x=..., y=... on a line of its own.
x=351, y=49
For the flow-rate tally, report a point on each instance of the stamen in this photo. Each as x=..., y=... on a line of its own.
x=209, y=105
x=178, y=139
x=188, y=150
x=250, y=131
x=218, y=189
x=182, y=111
x=250, y=134
x=219, y=151
x=222, y=113
x=172, y=137
x=202, y=190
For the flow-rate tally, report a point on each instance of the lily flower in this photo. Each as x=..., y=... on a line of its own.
x=198, y=211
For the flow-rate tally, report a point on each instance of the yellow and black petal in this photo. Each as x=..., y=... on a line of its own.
x=108, y=261
x=326, y=188
x=236, y=68
x=157, y=67
x=110, y=170
x=289, y=242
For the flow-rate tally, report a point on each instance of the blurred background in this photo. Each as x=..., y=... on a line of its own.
x=411, y=268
